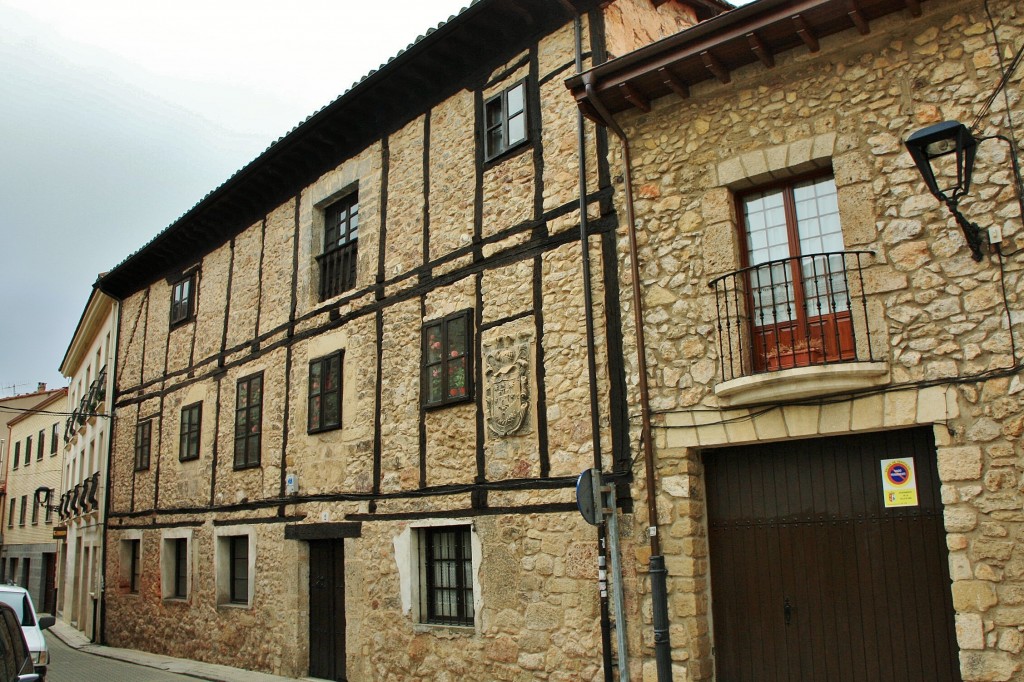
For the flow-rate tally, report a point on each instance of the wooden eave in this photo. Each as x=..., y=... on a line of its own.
x=458, y=54
x=715, y=48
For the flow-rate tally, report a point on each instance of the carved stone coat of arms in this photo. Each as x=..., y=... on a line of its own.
x=507, y=368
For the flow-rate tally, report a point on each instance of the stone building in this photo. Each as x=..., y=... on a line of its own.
x=352, y=386
x=29, y=553
x=85, y=445
x=835, y=393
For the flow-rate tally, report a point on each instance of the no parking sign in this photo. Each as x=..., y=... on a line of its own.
x=899, y=484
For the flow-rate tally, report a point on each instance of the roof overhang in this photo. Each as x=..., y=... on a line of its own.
x=715, y=48
x=97, y=310
x=455, y=55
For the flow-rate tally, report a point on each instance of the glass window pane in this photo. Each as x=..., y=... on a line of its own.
x=314, y=412
x=494, y=141
x=434, y=344
x=331, y=409
x=457, y=337
x=457, y=378
x=515, y=100
x=492, y=113
x=314, y=378
x=517, y=129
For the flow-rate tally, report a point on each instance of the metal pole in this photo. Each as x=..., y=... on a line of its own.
x=617, y=593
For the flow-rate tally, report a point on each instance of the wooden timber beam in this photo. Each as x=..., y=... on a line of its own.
x=761, y=50
x=674, y=82
x=715, y=66
x=805, y=33
x=858, y=19
x=633, y=96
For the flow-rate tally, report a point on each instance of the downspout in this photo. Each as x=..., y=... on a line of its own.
x=656, y=569
x=111, y=394
x=595, y=417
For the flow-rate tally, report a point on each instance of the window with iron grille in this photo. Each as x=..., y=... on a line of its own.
x=447, y=366
x=248, y=421
x=325, y=393
x=505, y=121
x=446, y=573
x=183, y=300
x=341, y=239
x=191, y=420
x=143, y=439
x=239, y=569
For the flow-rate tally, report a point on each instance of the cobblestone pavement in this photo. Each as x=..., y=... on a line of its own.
x=71, y=665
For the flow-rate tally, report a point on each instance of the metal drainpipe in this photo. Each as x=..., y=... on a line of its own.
x=595, y=419
x=656, y=569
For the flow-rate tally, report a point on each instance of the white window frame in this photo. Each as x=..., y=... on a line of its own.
x=167, y=563
x=222, y=561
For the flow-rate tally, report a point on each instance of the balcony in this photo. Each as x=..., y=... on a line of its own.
x=337, y=270
x=88, y=406
x=795, y=327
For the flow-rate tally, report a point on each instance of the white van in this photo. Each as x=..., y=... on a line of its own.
x=31, y=624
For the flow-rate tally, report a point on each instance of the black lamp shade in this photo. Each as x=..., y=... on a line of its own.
x=936, y=141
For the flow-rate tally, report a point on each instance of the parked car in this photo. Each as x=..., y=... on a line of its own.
x=32, y=625
x=15, y=660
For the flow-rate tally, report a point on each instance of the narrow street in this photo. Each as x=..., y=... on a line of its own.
x=71, y=665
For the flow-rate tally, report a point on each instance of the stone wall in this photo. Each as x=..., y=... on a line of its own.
x=938, y=319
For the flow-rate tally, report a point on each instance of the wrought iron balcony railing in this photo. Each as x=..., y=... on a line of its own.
x=337, y=270
x=87, y=407
x=792, y=312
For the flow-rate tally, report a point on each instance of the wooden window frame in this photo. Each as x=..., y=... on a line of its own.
x=238, y=569
x=28, y=452
x=500, y=126
x=35, y=513
x=191, y=432
x=10, y=516
x=180, y=587
x=445, y=359
x=24, y=508
x=17, y=455
x=143, y=444
x=462, y=590
x=245, y=428
x=339, y=259
x=135, y=565
x=317, y=394
x=53, y=439
x=183, y=297
x=41, y=445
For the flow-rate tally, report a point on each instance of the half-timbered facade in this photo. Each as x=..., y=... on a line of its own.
x=836, y=392
x=352, y=386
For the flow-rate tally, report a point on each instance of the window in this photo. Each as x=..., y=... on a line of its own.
x=35, y=513
x=143, y=438
x=341, y=234
x=17, y=454
x=41, y=447
x=182, y=300
x=48, y=516
x=325, y=393
x=28, y=450
x=174, y=567
x=24, y=507
x=131, y=564
x=248, y=421
x=10, y=515
x=446, y=575
x=191, y=418
x=505, y=121
x=239, y=580
x=53, y=439
x=797, y=275
x=26, y=571
x=447, y=368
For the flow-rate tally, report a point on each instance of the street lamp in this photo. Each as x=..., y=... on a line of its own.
x=926, y=147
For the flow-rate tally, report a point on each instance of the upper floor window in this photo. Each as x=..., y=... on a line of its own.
x=341, y=238
x=40, y=447
x=505, y=120
x=183, y=300
x=53, y=439
x=325, y=393
x=143, y=439
x=799, y=295
x=17, y=454
x=446, y=360
x=191, y=419
x=10, y=515
x=28, y=450
x=24, y=506
x=248, y=421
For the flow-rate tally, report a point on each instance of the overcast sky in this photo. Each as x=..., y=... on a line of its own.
x=117, y=116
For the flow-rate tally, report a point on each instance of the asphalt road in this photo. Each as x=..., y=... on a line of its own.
x=71, y=665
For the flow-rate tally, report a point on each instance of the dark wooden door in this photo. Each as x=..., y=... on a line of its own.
x=813, y=578
x=50, y=583
x=327, y=610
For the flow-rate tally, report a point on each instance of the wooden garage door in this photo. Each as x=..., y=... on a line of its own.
x=813, y=578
